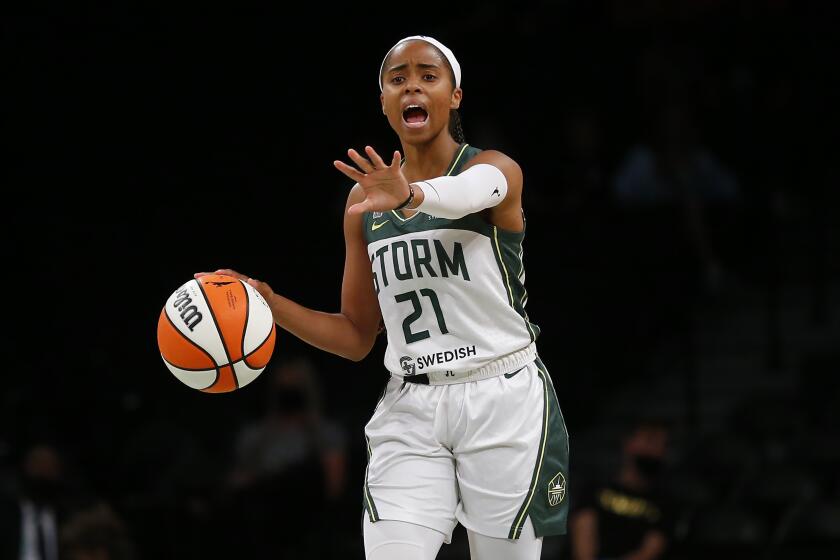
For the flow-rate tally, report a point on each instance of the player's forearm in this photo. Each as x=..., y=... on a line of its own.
x=482, y=186
x=331, y=332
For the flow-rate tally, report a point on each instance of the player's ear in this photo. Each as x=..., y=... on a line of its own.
x=382, y=101
x=457, y=93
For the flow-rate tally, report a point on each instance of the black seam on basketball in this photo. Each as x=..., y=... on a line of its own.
x=216, y=380
x=218, y=330
x=206, y=353
x=247, y=311
x=187, y=369
x=260, y=345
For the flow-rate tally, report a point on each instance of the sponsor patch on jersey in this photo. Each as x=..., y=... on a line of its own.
x=407, y=365
x=437, y=358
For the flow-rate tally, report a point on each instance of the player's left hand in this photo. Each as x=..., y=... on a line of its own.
x=385, y=185
x=263, y=288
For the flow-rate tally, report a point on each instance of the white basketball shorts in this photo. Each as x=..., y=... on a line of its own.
x=488, y=454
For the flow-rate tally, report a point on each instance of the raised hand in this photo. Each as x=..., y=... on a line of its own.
x=385, y=185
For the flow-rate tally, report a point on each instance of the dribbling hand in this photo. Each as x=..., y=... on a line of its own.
x=264, y=289
x=385, y=185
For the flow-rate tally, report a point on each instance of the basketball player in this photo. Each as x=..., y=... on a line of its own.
x=468, y=429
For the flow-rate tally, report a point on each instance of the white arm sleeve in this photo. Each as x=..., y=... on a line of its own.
x=479, y=187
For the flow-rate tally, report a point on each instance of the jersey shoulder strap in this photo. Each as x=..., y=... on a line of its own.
x=463, y=154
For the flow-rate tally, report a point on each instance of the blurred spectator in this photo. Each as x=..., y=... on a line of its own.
x=30, y=520
x=673, y=166
x=672, y=170
x=293, y=431
x=626, y=517
x=581, y=172
x=290, y=467
x=95, y=534
x=168, y=474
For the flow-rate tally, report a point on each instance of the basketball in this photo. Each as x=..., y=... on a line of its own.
x=216, y=334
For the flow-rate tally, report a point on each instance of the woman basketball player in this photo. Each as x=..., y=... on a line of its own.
x=469, y=428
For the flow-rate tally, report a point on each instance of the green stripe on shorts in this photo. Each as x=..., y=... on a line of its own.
x=369, y=506
x=367, y=499
x=547, y=502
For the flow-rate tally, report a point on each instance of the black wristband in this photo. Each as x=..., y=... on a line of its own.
x=407, y=200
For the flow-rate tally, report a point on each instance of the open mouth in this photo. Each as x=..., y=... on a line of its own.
x=415, y=116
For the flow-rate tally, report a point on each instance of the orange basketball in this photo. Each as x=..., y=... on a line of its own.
x=216, y=334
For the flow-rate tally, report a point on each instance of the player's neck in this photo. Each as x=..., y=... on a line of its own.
x=427, y=161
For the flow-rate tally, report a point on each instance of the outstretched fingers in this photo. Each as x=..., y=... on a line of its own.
x=374, y=157
x=351, y=172
x=362, y=162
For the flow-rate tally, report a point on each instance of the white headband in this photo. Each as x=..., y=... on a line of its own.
x=453, y=62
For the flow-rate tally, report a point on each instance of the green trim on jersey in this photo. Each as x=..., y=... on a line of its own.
x=507, y=248
x=389, y=225
x=547, y=501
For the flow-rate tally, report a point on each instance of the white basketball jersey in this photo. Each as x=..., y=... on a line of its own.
x=451, y=292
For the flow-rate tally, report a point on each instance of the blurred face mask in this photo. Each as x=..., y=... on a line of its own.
x=648, y=466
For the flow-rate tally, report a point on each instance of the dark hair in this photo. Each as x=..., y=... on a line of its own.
x=456, y=130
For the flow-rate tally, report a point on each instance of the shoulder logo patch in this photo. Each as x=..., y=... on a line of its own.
x=556, y=489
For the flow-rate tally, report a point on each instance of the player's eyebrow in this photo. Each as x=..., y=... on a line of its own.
x=404, y=65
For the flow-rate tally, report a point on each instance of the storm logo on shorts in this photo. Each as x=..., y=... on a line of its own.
x=407, y=365
x=556, y=489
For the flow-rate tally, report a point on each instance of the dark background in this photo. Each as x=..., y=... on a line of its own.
x=145, y=146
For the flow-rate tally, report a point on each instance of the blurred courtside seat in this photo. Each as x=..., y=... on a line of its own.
x=723, y=532
x=725, y=460
x=813, y=533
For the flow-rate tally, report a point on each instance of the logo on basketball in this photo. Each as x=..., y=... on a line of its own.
x=407, y=365
x=219, y=284
x=189, y=313
x=556, y=489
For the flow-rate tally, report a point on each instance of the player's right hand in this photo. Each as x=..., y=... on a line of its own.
x=264, y=289
x=384, y=185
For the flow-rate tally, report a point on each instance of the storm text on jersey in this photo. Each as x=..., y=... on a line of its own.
x=415, y=258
